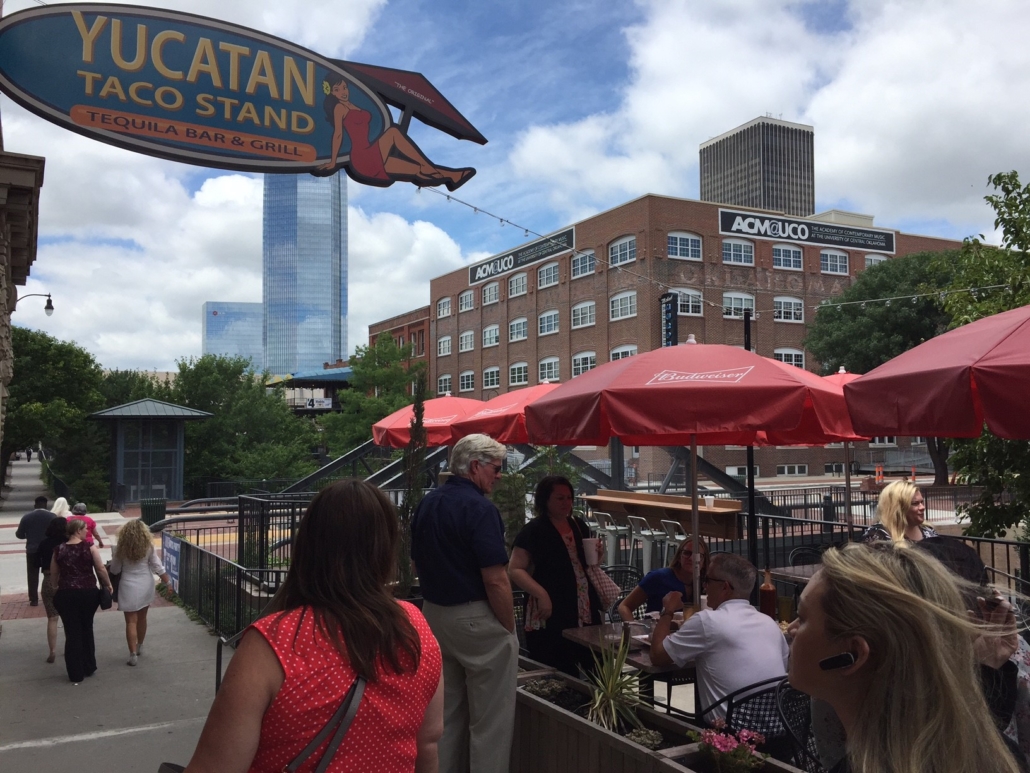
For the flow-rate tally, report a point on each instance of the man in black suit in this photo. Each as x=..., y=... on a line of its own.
x=32, y=529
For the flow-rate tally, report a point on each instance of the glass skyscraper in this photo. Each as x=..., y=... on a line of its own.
x=234, y=330
x=304, y=251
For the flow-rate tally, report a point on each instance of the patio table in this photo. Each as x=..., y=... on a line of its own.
x=799, y=575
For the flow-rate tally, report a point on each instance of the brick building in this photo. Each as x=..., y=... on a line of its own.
x=589, y=293
x=411, y=327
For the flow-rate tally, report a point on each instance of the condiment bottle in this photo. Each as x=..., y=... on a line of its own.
x=767, y=596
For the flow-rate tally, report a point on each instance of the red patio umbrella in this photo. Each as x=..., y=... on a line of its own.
x=691, y=394
x=713, y=394
x=440, y=412
x=504, y=417
x=952, y=384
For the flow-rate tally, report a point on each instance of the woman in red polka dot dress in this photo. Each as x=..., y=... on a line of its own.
x=332, y=620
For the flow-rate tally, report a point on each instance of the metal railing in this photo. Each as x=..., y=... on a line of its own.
x=266, y=521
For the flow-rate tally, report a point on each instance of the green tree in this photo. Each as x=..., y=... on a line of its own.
x=380, y=385
x=988, y=280
x=55, y=386
x=252, y=434
x=862, y=336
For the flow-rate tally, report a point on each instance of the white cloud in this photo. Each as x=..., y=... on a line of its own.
x=914, y=105
x=391, y=263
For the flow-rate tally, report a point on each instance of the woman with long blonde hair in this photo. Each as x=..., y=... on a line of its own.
x=61, y=507
x=883, y=636
x=901, y=511
x=135, y=560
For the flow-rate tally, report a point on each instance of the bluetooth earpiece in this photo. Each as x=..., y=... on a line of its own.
x=843, y=660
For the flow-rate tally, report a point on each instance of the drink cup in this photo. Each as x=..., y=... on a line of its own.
x=704, y=602
x=709, y=501
x=590, y=550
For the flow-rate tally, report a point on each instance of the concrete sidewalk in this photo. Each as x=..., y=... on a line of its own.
x=123, y=718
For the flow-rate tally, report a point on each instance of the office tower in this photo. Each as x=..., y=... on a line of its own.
x=764, y=164
x=234, y=330
x=304, y=251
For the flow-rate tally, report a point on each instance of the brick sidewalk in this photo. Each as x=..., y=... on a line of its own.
x=16, y=606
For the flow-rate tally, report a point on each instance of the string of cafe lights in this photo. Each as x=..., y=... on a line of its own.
x=826, y=303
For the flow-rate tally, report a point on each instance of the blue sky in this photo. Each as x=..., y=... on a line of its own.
x=586, y=104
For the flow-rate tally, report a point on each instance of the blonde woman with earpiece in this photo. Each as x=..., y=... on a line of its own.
x=883, y=636
x=901, y=511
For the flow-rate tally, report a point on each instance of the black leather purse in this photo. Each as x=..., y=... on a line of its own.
x=105, y=598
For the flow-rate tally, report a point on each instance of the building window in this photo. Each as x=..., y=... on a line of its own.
x=583, y=362
x=491, y=335
x=546, y=276
x=874, y=260
x=443, y=307
x=467, y=381
x=583, y=263
x=794, y=357
x=548, y=370
x=623, y=305
x=443, y=346
x=518, y=329
x=443, y=384
x=792, y=469
x=518, y=374
x=491, y=292
x=738, y=251
x=740, y=471
x=786, y=256
x=517, y=285
x=466, y=301
x=683, y=245
x=491, y=378
x=734, y=304
x=689, y=302
x=622, y=251
x=834, y=468
x=918, y=440
x=833, y=262
x=788, y=310
x=584, y=314
x=886, y=440
x=421, y=347
x=622, y=352
x=547, y=323
x=467, y=341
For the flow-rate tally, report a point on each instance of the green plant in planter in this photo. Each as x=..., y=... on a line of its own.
x=616, y=694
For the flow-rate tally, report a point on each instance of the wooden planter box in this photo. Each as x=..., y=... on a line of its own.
x=549, y=739
x=691, y=757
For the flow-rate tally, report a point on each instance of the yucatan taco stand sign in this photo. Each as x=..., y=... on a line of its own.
x=207, y=92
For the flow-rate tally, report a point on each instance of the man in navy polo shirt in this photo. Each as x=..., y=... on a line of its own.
x=457, y=544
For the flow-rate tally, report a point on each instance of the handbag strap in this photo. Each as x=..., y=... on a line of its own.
x=340, y=721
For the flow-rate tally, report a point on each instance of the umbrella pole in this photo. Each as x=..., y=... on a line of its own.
x=847, y=488
x=695, y=525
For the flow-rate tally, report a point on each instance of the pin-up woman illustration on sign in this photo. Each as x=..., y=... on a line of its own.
x=381, y=160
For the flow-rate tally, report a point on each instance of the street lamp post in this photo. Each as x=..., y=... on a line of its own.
x=48, y=308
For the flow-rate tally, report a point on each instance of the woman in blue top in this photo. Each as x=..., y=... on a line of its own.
x=678, y=576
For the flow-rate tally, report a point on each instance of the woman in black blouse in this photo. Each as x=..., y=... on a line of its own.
x=549, y=564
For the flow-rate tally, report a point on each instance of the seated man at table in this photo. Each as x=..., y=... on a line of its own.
x=731, y=643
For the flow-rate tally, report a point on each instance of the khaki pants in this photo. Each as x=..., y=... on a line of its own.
x=480, y=665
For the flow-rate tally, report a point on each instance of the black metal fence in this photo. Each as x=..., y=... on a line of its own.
x=265, y=528
x=224, y=594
